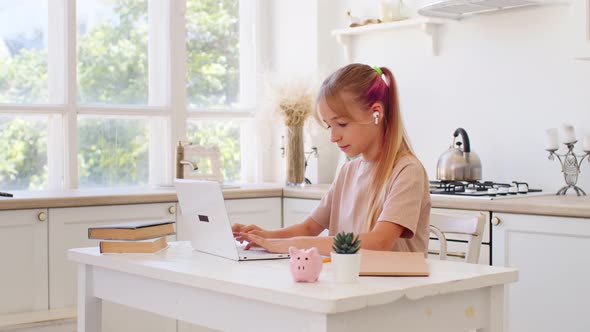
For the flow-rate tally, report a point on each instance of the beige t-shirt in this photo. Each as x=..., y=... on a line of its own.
x=345, y=206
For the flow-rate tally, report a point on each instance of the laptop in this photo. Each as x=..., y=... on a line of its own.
x=203, y=209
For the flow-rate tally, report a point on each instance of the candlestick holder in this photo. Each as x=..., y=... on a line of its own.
x=570, y=166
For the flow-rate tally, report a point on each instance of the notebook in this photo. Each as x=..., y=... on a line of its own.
x=203, y=208
x=393, y=263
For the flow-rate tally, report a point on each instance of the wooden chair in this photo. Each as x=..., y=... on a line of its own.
x=473, y=227
x=207, y=160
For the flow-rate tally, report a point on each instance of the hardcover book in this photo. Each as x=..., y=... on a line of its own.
x=136, y=230
x=146, y=246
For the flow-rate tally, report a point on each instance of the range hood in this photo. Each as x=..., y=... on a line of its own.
x=457, y=9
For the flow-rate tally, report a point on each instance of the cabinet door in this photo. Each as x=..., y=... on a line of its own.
x=551, y=255
x=69, y=229
x=296, y=210
x=264, y=212
x=23, y=276
x=580, y=12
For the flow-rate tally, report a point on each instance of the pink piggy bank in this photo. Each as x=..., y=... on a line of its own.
x=306, y=265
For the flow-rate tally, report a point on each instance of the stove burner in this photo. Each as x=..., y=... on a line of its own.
x=479, y=188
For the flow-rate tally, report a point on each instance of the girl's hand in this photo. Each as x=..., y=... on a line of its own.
x=271, y=245
x=250, y=229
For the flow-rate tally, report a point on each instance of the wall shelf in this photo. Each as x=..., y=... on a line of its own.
x=429, y=25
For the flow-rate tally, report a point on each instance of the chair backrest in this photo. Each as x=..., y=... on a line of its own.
x=473, y=227
x=208, y=159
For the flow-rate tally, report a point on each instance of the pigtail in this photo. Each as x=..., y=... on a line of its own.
x=395, y=145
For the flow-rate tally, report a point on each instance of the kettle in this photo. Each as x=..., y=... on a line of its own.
x=459, y=163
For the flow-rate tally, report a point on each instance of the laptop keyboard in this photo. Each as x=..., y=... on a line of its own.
x=252, y=251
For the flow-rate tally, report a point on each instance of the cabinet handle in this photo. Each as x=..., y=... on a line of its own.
x=496, y=221
x=42, y=216
x=172, y=209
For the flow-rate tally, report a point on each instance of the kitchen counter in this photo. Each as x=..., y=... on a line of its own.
x=550, y=205
x=118, y=196
x=547, y=205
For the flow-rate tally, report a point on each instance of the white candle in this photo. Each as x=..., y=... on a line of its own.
x=570, y=134
x=386, y=11
x=587, y=143
x=552, y=142
x=396, y=13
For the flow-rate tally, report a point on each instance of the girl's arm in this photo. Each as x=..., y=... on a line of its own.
x=382, y=237
x=306, y=228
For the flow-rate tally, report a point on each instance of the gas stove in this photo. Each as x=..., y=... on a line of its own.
x=483, y=189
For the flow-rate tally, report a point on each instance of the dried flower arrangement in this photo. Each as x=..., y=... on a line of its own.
x=294, y=103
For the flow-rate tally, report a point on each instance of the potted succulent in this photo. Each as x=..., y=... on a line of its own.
x=346, y=257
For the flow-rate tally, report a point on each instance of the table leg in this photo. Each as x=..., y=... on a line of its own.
x=89, y=307
x=496, y=321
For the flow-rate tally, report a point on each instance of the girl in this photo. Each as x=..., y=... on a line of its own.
x=383, y=195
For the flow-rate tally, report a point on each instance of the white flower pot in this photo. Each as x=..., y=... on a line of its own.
x=346, y=267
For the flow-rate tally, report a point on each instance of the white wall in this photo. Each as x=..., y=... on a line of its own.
x=505, y=78
x=301, y=46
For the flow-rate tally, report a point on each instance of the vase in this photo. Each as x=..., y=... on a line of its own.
x=346, y=267
x=295, y=156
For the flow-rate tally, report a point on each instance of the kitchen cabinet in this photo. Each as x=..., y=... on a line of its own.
x=296, y=210
x=580, y=11
x=551, y=255
x=68, y=228
x=23, y=280
x=264, y=212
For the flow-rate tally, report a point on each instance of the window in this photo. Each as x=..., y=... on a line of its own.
x=225, y=135
x=100, y=100
x=112, y=151
x=23, y=152
x=23, y=52
x=112, y=52
x=219, y=79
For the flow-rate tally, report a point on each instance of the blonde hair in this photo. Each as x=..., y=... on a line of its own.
x=368, y=87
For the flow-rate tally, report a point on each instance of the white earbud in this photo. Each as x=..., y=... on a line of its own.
x=376, y=117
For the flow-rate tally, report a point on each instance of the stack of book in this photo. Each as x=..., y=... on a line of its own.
x=133, y=237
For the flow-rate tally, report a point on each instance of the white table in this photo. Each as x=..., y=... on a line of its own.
x=260, y=295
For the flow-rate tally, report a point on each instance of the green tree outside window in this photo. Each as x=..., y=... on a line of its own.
x=112, y=69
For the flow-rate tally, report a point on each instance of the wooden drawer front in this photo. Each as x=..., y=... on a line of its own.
x=466, y=213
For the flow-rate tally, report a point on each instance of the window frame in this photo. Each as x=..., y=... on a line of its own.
x=167, y=108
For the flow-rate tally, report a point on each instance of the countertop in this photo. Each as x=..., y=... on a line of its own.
x=269, y=280
x=551, y=205
x=118, y=196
